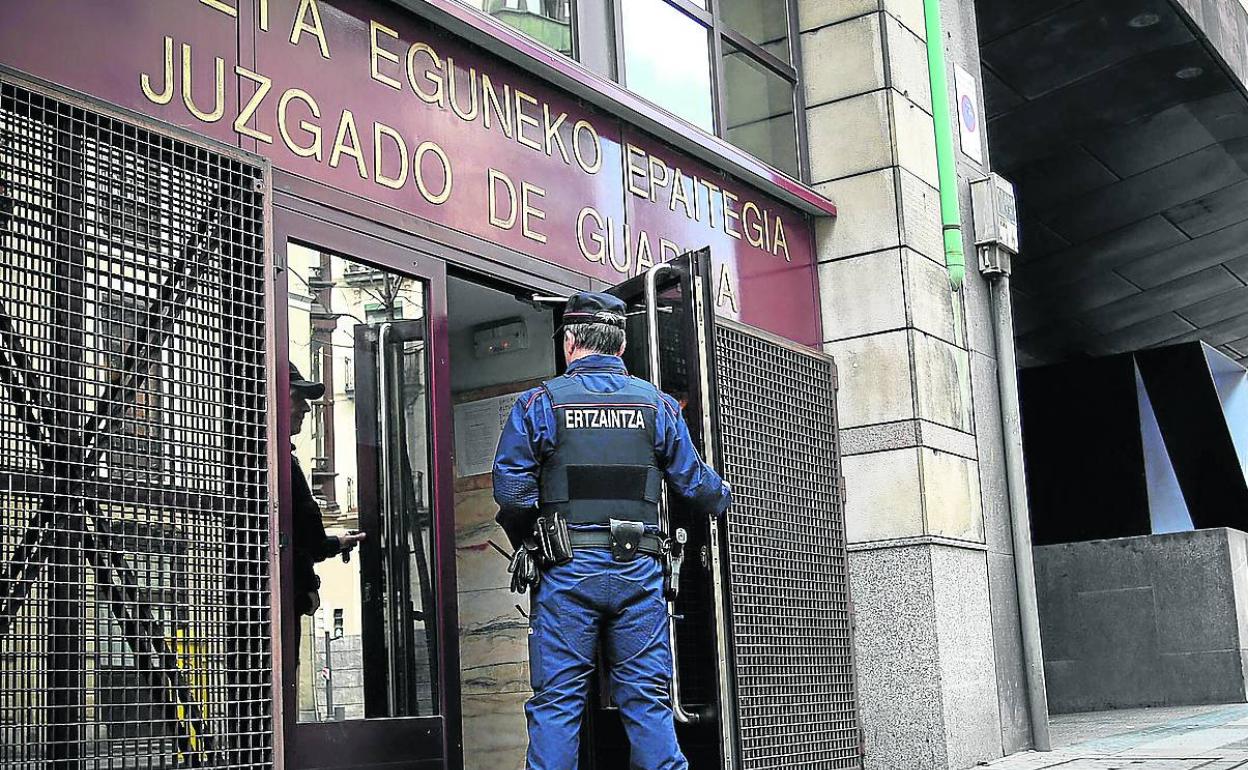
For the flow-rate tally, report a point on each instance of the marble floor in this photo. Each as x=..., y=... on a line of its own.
x=1184, y=738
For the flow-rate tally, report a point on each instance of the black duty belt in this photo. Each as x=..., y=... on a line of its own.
x=650, y=544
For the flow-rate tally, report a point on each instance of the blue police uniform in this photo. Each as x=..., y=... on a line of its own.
x=556, y=453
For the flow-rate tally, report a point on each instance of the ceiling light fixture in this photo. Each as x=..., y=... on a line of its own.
x=1143, y=20
x=1189, y=73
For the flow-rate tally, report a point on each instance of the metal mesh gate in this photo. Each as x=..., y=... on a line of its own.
x=786, y=551
x=134, y=585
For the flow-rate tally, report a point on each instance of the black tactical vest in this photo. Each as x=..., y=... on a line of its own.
x=604, y=466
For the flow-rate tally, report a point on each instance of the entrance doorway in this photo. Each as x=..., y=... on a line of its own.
x=417, y=654
x=369, y=647
x=500, y=346
x=372, y=676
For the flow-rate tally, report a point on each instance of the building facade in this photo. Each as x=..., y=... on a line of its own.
x=394, y=192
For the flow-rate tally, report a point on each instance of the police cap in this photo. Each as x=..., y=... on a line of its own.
x=593, y=307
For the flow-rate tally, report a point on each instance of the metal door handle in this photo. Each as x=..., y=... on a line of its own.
x=387, y=493
x=383, y=391
x=652, y=334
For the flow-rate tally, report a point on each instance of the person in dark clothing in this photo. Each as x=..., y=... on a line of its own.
x=311, y=543
x=594, y=447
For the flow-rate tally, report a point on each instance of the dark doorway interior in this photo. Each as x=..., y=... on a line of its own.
x=500, y=346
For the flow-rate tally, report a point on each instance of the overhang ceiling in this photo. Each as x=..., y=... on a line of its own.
x=1127, y=141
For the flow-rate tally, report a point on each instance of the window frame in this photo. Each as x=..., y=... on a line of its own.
x=600, y=92
x=719, y=31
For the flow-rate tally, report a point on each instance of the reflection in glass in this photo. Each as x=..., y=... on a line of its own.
x=667, y=59
x=758, y=110
x=367, y=651
x=764, y=22
x=400, y=663
x=549, y=22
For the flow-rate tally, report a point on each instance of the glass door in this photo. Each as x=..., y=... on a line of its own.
x=400, y=647
x=369, y=649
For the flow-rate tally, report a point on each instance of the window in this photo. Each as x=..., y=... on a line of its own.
x=667, y=59
x=764, y=23
x=549, y=22
x=379, y=312
x=758, y=110
x=727, y=68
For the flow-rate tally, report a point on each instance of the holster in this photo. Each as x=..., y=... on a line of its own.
x=626, y=539
x=551, y=535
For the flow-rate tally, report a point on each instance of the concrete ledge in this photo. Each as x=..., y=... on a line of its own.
x=907, y=542
x=1157, y=620
x=880, y=437
x=903, y=434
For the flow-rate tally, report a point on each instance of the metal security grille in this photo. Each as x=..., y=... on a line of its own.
x=786, y=551
x=134, y=584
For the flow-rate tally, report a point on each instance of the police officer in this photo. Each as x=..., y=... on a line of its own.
x=592, y=448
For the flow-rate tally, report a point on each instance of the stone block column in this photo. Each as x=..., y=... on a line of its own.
x=940, y=664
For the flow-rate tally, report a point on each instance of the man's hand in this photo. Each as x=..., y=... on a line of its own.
x=348, y=542
x=314, y=602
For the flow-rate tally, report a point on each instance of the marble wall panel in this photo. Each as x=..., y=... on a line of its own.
x=495, y=737
x=491, y=629
x=493, y=638
x=477, y=565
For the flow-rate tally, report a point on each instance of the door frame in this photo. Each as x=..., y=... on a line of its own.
x=400, y=742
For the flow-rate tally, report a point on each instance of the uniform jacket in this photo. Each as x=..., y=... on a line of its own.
x=311, y=544
x=529, y=438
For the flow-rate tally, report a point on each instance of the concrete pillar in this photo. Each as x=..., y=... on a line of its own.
x=940, y=664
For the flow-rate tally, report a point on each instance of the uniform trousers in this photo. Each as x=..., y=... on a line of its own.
x=576, y=605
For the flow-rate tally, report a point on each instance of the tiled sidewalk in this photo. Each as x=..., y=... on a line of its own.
x=1204, y=737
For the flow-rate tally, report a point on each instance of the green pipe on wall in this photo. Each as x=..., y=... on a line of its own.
x=947, y=173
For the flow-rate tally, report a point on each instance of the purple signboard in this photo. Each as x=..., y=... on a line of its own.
x=106, y=47
x=762, y=250
x=370, y=99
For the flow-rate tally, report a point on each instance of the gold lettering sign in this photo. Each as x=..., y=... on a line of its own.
x=398, y=157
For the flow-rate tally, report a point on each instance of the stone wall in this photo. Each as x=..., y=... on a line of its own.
x=938, y=643
x=1145, y=621
x=493, y=637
